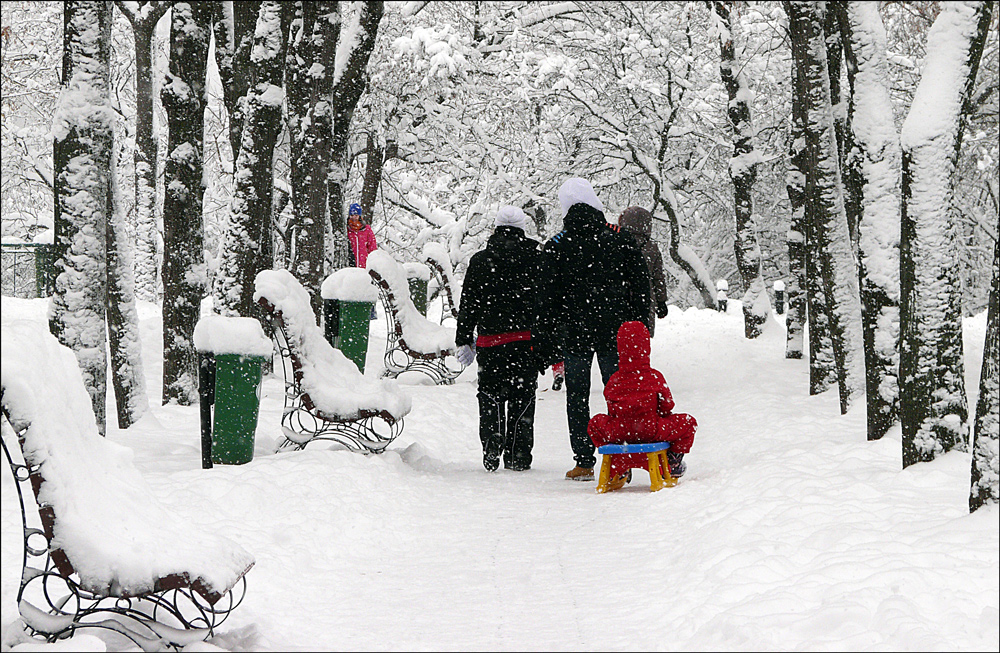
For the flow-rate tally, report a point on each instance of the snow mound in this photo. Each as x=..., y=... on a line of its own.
x=218, y=334
x=120, y=547
x=418, y=333
x=417, y=271
x=337, y=388
x=350, y=285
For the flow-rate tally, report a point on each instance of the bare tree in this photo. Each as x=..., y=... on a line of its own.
x=183, y=232
x=933, y=404
x=83, y=135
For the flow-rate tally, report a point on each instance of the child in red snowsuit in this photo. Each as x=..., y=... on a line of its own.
x=639, y=407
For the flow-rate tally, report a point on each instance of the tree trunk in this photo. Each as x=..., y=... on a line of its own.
x=986, y=436
x=234, y=31
x=835, y=56
x=83, y=137
x=312, y=45
x=182, y=96
x=143, y=19
x=347, y=90
x=375, y=158
x=127, y=375
x=836, y=266
x=933, y=405
x=795, y=185
x=743, y=173
x=244, y=250
x=872, y=175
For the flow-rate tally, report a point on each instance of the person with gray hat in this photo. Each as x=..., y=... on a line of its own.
x=500, y=303
x=638, y=223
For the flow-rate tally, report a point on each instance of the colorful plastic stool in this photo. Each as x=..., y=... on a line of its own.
x=656, y=459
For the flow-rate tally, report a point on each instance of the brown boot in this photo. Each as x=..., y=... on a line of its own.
x=580, y=474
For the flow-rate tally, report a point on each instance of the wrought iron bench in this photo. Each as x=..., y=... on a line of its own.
x=436, y=257
x=100, y=551
x=326, y=397
x=413, y=343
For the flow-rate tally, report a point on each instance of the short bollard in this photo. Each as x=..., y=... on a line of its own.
x=418, y=276
x=231, y=351
x=350, y=295
x=779, y=296
x=722, y=287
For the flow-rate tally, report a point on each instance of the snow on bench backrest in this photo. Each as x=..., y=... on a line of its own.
x=334, y=384
x=114, y=532
x=419, y=334
x=436, y=254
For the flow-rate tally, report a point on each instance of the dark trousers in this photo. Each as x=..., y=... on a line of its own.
x=578, y=368
x=507, y=384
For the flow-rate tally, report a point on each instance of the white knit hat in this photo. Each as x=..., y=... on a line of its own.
x=511, y=216
x=578, y=191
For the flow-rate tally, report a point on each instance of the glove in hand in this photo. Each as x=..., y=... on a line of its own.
x=466, y=354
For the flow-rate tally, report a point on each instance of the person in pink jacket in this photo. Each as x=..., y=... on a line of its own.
x=360, y=237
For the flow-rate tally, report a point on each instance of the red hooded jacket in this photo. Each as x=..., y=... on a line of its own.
x=639, y=401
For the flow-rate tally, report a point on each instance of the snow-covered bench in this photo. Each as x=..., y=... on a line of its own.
x=100, y=550
x=326, y=397
x=413, y=343
x=436, y=256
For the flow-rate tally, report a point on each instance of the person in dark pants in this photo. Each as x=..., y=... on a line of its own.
x=595, y=280
x=500, y=301
x=638, y=223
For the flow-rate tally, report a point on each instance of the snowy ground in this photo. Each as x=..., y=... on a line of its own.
x=789, y=531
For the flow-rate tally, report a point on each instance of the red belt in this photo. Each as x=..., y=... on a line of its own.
x=502, y=338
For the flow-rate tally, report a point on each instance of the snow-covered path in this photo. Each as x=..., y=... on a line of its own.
x=789, y=531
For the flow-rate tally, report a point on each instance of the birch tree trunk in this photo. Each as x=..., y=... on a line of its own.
x=743, y=173
x=348, y=85
x=873, y=171
x=244, y=250
x=309, y=69
x=986, y=436
x=127, y=376
x=82, y=130
x=933, y=404
x=182, y=96
x=836, y=266
x=143, y=16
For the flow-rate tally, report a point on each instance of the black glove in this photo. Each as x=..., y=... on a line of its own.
x=661, y=310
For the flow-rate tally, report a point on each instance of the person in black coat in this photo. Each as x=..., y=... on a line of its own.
x=595, y=280
x=500, y=302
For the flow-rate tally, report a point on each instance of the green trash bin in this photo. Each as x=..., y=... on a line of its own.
x=237, y=404
x=352, y=335
x=232, y=351
x=418, y=276
x=348, y=299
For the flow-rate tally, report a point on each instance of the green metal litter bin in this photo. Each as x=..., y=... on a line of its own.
x=232, y=351
x=353, y=332
x=237, y=404
x=418, y=275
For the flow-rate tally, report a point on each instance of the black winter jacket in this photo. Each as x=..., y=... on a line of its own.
x=595, y=279
x=500, y=292
x=638, y=222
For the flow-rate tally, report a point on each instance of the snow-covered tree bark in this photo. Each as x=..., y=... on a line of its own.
x=250, y=213
x=355, y=45
x=233, y=27
x=309, y=65
x=127, y=376
x=742, y=172
x=986, y=436
x=82, y=130
x=873, y=170
x=933, y=404
x=183, y=232
x=143, y=16
x=836, y=266
x=795, y=186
